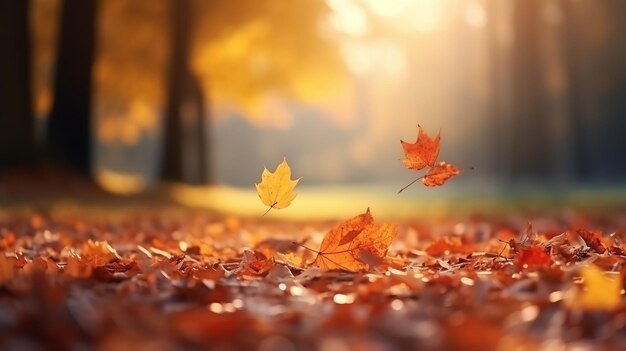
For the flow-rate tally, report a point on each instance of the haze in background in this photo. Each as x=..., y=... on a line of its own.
x=523, y=90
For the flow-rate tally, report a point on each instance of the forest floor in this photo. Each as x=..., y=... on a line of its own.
x=164, y=277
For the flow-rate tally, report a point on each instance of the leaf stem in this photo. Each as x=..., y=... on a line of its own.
x=304, y=247
x=323, y=254
x=269, y=209
x=411, y=183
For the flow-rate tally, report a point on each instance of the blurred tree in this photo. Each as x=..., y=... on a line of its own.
x=69, y=126
x=530, y=140
x=232, y=54
x=572, y=53
x=17, y=127
x=610, y=69
x=185, y=113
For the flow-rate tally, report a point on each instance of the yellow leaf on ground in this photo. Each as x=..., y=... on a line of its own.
x=600, y=292
x=276, y=189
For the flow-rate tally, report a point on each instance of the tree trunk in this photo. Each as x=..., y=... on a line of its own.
x=530, y=136
x=69, y=127
x=17, y=126
x=497, y=109
x=185, y=140
x=578, y=129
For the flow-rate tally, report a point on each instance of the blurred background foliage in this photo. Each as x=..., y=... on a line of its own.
x=208, y=92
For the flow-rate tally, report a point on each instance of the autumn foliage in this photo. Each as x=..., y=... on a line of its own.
x=165, y=281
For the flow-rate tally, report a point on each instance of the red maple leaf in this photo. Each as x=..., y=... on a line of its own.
x=533, y=257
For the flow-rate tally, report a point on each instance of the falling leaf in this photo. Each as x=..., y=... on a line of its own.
x=592, y=239
x=345, y=246
x=423, y=152
x=600, y=292
x=440, y=173
x=276, y=189
x=533, y=257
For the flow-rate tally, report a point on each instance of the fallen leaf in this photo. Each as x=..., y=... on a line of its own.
x=440, y=173
x=616, y=250
x=76, y=269
x=276, y=189
x=529, y=236
x=533, y=257
x=98, y=252
x=345, y=246
x=448, y=245
x=592, y=239
x=254, y=263
x=6, y=269
x=600, y=292
x=423, y=152
x=8, y=240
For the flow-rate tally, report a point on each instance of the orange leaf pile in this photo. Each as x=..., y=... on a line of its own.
x=355, y=244
x=423, y=153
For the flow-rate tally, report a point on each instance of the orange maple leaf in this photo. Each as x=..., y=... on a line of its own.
x=423, y=152
x=440, y=173
x=355, y=244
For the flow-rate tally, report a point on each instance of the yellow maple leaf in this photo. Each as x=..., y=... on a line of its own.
x=600, y=292
x=276, y=189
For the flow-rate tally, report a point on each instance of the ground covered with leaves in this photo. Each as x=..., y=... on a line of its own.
x=194, y=281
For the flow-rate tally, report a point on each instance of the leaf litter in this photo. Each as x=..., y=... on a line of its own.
x=158, y=281
x=201, y=282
